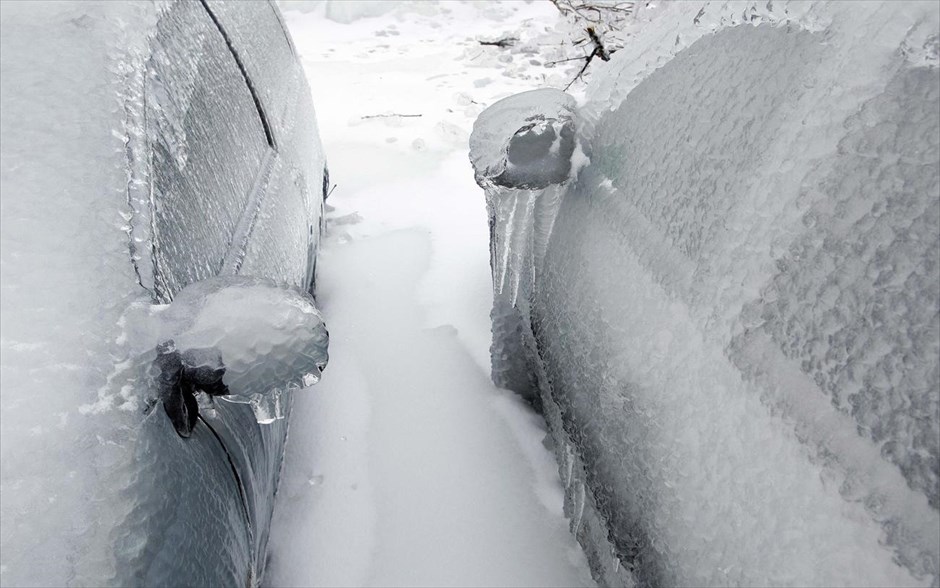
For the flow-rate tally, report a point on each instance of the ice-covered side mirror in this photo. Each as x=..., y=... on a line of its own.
x=526, y=141
x=243, y=340
x=525, y=150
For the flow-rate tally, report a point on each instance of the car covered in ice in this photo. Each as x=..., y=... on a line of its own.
x=719, y=280
x=162, y=195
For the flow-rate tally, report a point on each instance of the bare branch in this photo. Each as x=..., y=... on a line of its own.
x=578, y=58
x=391, y=116
x=599, y=51
x=593, y=11
x=598, y=45
x=602, y=20
x=501, y=43
x=584, y=67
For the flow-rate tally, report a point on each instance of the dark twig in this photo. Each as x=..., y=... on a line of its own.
x=392, y=116
x=501, y=43
x=587, y=62
x=578, y=58
x=598, y=46
x=599, y=51
x=592, y=11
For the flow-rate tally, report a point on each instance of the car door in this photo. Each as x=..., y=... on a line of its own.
x=208, y=148
x=206, y=193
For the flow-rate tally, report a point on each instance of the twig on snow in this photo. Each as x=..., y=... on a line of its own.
x=579, y=57
x=391, y=116
x=592, y=11
x=501, y=43
x=598, y=46
x=599, y=51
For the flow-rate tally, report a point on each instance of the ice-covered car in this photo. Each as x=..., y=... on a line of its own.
x=719, y=279
x=149, y=149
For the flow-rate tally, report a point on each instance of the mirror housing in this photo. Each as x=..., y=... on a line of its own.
x=540, y=148
x=242, y=340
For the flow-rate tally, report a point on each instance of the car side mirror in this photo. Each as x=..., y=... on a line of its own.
x=241, y=340
x=526, y=141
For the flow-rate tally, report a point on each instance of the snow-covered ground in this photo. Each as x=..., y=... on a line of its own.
x=405, y=465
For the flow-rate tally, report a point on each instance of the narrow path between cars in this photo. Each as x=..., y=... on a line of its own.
x=405, y=465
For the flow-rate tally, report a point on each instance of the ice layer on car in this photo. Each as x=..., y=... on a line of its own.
x=146, y=147
x=733, y=330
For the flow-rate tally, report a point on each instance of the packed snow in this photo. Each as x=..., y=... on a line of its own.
x=714, y=270
x=406, y=466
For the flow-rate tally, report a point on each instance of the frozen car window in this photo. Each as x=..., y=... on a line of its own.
x=263, y=48
x=283, y=239
x=282, y=245
x=208, y=145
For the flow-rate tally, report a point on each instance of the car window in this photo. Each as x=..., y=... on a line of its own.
x=208, y=145
x=263, y=47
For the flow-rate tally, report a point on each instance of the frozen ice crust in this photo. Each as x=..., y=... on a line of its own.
x=125, y=180
x=734, y=329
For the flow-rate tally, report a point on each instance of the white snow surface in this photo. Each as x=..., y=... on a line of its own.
x=405, y=465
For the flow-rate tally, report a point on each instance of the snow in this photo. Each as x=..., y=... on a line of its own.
x=405, y=465
x=342, y=11
x=737, y=311
x=733, y=274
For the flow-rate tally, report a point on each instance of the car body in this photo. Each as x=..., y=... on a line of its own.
x=145, y=147
x=730, y=317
